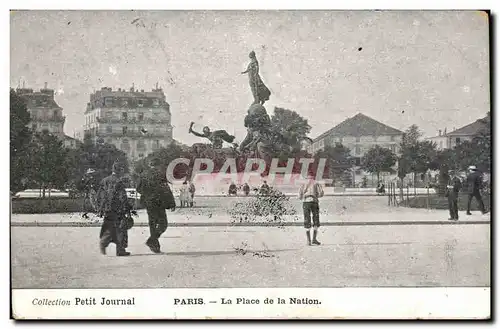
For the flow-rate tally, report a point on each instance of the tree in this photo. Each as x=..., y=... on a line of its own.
x=48, y=162
x=378, y=159
x=99, y=157
x=482, y=144
x=409, y=150
x=291, y=125
x=338, y=161
x=20, y=137
x=420, y=157
x=163, y=157
x=411, y=136
x=443, y=160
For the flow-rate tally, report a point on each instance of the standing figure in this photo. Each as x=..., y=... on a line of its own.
x=233, y=190
x=184, y=194
x=246, y=189
x=113, y=205
x=264, y=189
x=216, y=137
x=309, y=193
x=90, y=186
x=192, y=189
x=260, y=92
x=156, y=196
x=452, y=190
x=474, y=185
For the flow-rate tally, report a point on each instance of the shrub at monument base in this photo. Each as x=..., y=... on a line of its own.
x=270, y=208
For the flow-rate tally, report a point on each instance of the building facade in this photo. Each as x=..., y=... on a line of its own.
x=45, y=113
x=136, y=122
x=455, y=137
x=359, y=134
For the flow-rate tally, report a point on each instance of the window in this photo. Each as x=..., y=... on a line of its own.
x=357, y=150
x=156, y=144
x=108, y=101
x=109, y=141
x=140, y=103
x=393, y=148
x=124, y=116
x=109, y=129
x=156, y=102
x=141, y=145
x=457, y=140
x=124, y=130
x=124, y=102
x=107, y=114
x=393, y=138
x=55, y=114
x=140, y=116
x=125, y=145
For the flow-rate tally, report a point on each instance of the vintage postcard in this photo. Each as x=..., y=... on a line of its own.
x=250, y=164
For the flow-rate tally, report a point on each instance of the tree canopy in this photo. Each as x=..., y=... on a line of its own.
x=378, y=159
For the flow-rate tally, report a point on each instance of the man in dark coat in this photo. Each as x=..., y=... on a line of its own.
x=156, y=196
x=474, y=185
x=453, y=188
x=113, y=205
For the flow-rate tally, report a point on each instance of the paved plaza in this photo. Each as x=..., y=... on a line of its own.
x=209, y=211
x=359, y=255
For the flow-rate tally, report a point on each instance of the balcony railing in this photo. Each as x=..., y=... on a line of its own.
x=134, y=120
x=162, y=134
x=49, y=119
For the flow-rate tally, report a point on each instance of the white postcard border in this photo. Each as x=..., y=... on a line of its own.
x=254, y=303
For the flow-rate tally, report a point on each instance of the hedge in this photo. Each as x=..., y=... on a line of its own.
x=441, y=202
x=50, y=205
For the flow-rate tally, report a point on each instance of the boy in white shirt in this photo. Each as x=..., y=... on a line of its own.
x=309, y=193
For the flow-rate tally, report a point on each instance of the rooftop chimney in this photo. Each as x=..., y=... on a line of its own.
x=439, y=132
x=45, y=85
x=142, y=90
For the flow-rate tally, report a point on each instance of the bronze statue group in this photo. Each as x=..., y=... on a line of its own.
x=110, y=201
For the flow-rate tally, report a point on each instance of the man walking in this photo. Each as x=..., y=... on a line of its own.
x=309, y=193
x=474, y=185
x=113, y=205
x=156, y=197
x=453, y=188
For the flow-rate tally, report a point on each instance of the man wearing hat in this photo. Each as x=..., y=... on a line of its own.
x=113, y=205
x=453, y=188
x=474, y=184
x=156, y=196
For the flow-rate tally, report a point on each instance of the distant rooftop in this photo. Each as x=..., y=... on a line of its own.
x=360, y=125
x=469, y=130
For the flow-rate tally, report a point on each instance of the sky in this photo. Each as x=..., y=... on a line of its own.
x=429, y=68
